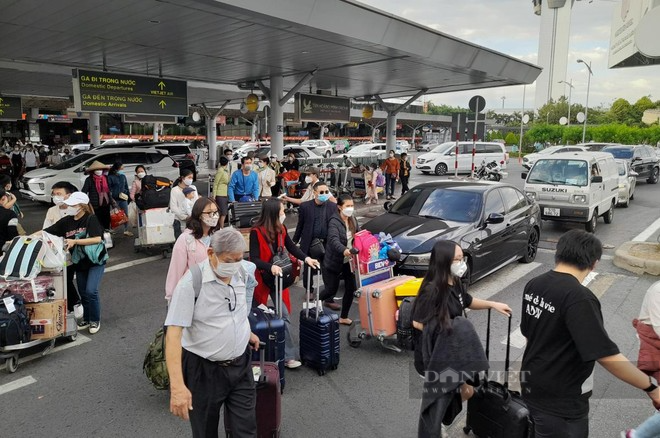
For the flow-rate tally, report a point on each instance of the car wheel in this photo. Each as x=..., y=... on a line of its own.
x=654, y=176
x=632, y=196
x=626, y=203
x=441, y=169
x=532, y=247
x=591, y=225
x=609, y=216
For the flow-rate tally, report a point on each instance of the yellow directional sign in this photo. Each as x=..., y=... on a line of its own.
x=99, y=91
x=11, y=108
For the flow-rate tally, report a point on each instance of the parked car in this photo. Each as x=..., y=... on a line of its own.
x=231, y=144
x=182, y=154
x=427, y=145
x=320, y=147
x=627, y=183
x=494, y=223
x=341, y=146
x=36, y=185
x=596, y=147
x=443, y=157
x=642, y=159
x=402, y=146
x=115, y=141
x=377, y=151
x=530, y=159
x=250, y=146
x=80, y=147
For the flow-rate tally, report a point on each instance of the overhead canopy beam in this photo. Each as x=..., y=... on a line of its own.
x=301, y=83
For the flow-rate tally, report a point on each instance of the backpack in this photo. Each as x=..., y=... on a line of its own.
x=154, y=365
x=22, y=260
x=155, y=193
x=14, y=325
x=380, y=179
x=404, y=327
x=368, y=247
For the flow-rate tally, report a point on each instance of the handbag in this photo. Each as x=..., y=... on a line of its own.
x=96, y=253
x=317, y=249
x=55, y=255
x=285, y=261
x=132, y=214
x=117, y=217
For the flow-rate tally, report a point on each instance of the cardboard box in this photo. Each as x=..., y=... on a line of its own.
x=157, y=217
x=47, y=319
x=156, y=235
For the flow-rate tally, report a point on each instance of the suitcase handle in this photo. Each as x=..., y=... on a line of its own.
x=262, y=360
x=508, y=347
x=308, y=292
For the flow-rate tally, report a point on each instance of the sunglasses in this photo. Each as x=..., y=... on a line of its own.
x=324, y=192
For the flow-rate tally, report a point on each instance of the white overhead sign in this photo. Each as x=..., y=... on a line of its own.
x=624, y=52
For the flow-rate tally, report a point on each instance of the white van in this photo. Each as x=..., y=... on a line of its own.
x=442, y=158
x=575, y=187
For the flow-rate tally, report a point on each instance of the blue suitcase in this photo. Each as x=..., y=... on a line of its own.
x=319, y=335
x=269, y=327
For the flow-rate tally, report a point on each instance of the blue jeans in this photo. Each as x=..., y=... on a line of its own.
x=390, y=182
x=650, y=428
x=124, y=206
x=88, y=288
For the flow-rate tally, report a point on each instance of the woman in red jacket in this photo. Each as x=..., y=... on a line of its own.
x=648, y=329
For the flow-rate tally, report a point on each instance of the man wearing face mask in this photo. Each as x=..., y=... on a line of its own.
x=563, y=323
x=30, y=158
x=17, y=163
x=208, y=342
x=391, y=169
x=312, y=228
x=243, y=185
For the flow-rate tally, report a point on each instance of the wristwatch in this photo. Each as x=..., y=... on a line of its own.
x=653, y=384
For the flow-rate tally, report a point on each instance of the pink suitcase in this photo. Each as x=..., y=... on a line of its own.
x=377, y=304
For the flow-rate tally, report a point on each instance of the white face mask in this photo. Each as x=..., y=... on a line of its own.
x=348, y=211
x=227, y=270
x=282, y=218
x=188, y=181
x=210, y=221
x=308, y=180
x=141, y=175
x=58, y=200
x=72, y=211
x=459, y=268
x=98, y=172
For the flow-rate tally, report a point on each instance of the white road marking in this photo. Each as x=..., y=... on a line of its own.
x=133, y=263
x=648, y=232
x=502, y=279
x=552, y=251
x=17, y=384
x=78, y=342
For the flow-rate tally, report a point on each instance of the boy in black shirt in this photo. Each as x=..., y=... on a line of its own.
x=563, y=324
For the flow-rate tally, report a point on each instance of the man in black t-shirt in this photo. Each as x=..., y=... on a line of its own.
x=563, y=324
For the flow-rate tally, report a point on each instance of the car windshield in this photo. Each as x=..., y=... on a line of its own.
x=73, y=162
x=622, y=168
x=564, y=172
x=262, y=152
x=443, y=148
x=452, y=205
x=623, y=153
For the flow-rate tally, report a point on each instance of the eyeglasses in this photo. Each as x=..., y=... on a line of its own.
x=324, y=192
x=460, y=259
x=214, y=213
x=231, y=309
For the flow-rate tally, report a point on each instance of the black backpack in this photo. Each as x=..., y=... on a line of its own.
x=14, y=326
x=404, y=327
x=155, y=193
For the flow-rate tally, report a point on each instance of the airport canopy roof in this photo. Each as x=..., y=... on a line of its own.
x=356, y=51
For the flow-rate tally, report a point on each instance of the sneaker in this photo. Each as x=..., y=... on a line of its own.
x=128, y=234
x=78, y=313
x=292, y=364
x=332, y=305
x=94, y=327
x=630, y=433
x=82, y=325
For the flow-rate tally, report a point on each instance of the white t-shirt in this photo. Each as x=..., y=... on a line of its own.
x=53, y=215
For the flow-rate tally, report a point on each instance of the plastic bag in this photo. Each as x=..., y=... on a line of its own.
x=117, y=218
x=132, y=214
x=55, y=255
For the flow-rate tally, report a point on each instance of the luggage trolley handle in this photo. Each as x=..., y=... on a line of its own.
x=308, y=290
x=278, y=295
x=508, y=347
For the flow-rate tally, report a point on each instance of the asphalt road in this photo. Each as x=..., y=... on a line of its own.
x=95, y=386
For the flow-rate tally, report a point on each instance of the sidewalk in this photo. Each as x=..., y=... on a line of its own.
x=642, y=254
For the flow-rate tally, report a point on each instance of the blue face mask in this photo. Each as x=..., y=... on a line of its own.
x=324, y=197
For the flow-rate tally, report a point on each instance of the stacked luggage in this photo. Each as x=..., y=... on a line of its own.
x=155, y=193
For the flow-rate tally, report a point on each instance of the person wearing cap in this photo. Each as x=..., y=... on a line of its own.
x=96, y=186
x=81, y=221
x=311, y=178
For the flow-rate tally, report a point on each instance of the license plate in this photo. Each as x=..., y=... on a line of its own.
x=551, y=211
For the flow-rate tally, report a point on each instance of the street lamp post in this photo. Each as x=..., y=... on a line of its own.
x=586, y=108
x=570, y=91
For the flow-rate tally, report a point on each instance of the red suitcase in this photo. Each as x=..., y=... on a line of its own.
x=269, y=399
x=377, y=305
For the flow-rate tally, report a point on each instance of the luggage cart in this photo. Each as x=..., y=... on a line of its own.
x=155, y=231
x=10, y=353
x=377, y=270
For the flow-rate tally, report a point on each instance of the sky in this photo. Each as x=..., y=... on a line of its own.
x=510, y=27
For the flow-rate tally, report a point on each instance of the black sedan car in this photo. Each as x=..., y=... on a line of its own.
x=494, y=223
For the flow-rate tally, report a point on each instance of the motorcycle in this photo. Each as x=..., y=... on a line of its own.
x=489, y=171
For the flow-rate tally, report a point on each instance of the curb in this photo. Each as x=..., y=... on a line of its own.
x=624, y=258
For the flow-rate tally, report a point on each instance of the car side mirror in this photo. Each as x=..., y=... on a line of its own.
x=387, y=206
x=495, y=218
x=523, y=175
x=597, y=179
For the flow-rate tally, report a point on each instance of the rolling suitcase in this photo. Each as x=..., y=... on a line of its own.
x=495, y=411
x=242, y=213
x=377, y=305
x=269, y=327
x=319, y=333
x=410, y=289
x=404, y=327
x=269, y=399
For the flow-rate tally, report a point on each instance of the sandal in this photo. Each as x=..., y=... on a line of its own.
x=345, y=321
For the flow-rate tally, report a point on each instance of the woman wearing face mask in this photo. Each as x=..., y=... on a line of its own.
x=96, y=186
x=17, y=164
x=11, y=204
x=391, y=168
x=266, y=177
x=291, y=163
x=220, y=186
x=119, y=190
x=442, y=297
x=136, y=186
x=178, y=201
x=336, y=264
x=267, y=235
x=81, y=227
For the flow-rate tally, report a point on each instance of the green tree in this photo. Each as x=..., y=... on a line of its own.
x=622, y=112
x=511, y=139
x=444, y=110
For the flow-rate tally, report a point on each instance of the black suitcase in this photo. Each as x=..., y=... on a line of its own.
x=495, y=411
x=269, y=327
x=404, y=327
x=243, y=213
x=319, y=334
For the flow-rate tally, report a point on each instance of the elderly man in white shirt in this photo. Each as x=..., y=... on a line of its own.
x=208, y=342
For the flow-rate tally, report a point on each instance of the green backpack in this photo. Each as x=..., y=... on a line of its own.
x=154, y=365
